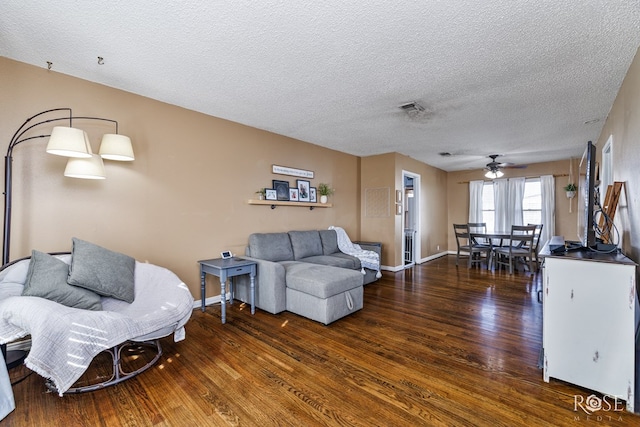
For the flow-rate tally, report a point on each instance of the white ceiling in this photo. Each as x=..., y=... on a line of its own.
x=531, y=80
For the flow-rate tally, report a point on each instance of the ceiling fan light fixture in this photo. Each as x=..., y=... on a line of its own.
x=494, y=173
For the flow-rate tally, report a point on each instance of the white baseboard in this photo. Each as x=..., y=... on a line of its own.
x=397, y=268
x=393, y=269
x=434, y=256
x=209, y=301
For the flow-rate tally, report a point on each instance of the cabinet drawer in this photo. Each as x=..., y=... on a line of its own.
x=237, y=271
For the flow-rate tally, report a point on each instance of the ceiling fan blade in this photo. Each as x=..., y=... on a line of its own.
x=512, y=166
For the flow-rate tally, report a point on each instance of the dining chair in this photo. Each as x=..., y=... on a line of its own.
x=520, y=248
x=466, y=244
x=478, y=227
x=536, y=243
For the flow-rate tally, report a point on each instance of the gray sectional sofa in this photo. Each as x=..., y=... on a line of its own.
x=304, y=272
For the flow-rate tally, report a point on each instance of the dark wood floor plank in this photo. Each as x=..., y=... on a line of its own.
x=435, y=345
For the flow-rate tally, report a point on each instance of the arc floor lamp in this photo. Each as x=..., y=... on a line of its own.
x=63, y=141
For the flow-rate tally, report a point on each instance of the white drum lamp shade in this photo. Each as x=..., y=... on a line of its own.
x=69, y=142
x=116, y=147
x=91, y=168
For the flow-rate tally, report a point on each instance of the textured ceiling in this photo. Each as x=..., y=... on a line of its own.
x=530, y=80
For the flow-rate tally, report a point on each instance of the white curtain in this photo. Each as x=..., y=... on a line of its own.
x=475, y=201
x=501, y=205
x=548, y=188
x=515, y=197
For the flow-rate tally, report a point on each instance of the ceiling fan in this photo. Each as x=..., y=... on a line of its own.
x=493, y=168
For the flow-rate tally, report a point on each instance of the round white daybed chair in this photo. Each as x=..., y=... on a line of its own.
x=64, y=340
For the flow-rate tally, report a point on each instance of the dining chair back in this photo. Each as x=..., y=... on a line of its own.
x=462, y=240
x=536, y=243
x=468, y=248
x=478, y=227
x=521, y=247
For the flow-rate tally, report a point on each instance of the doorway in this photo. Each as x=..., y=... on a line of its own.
x=410, y=218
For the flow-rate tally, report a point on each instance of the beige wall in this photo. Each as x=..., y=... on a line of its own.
x=623, y=126
x=378, y=221
x=433, y=204
x=383, y=173
x=185, y=196
x=566, y=218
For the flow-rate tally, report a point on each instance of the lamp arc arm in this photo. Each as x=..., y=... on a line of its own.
x=15, y=139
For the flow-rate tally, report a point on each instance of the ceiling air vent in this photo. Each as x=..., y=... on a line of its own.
x=412, y=108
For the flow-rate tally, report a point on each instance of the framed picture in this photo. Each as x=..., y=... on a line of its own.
x=303, y=190
x=293, y=195
x=270, y=194
x=282, y=189
x=312, y=194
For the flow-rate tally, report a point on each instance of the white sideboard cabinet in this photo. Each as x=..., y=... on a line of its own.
x=589, y=305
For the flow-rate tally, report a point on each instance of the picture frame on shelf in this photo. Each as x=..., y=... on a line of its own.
x=282, y=189
x=271, y=194
x=303, y=190
x=313, y=195
x=293, y=195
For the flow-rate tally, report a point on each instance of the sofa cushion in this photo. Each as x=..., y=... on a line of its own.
x=329, y=240
x=334, y=260
x=321, y=281
x=305, y=243
x=271, y=246
x=47, y=278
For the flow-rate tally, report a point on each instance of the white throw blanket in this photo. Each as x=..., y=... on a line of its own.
x=368, y=259
x=65, y=340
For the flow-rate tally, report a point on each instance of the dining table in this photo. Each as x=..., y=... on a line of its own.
x=489, y=237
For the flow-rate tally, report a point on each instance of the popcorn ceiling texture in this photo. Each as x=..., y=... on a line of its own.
x=518, y=78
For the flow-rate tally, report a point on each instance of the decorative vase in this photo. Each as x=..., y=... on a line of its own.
x=571, y=194
x=323, y=199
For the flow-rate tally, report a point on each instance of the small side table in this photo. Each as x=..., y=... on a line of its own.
x=228, y=268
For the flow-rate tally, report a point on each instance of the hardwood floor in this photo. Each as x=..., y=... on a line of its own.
x=434, y=345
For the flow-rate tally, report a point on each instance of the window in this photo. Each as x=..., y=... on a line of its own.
x=531, y=204
x=488, y=207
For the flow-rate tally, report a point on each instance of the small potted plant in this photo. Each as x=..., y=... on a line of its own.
x=324, y=190
x=261, y=193
x=571, y=190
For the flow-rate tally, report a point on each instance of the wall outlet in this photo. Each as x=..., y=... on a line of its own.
x=437, y=247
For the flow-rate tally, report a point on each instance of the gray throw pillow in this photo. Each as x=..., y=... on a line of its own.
x=47, y=278
x=103, y=271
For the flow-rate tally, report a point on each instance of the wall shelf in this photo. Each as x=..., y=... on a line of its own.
x=276, y=203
